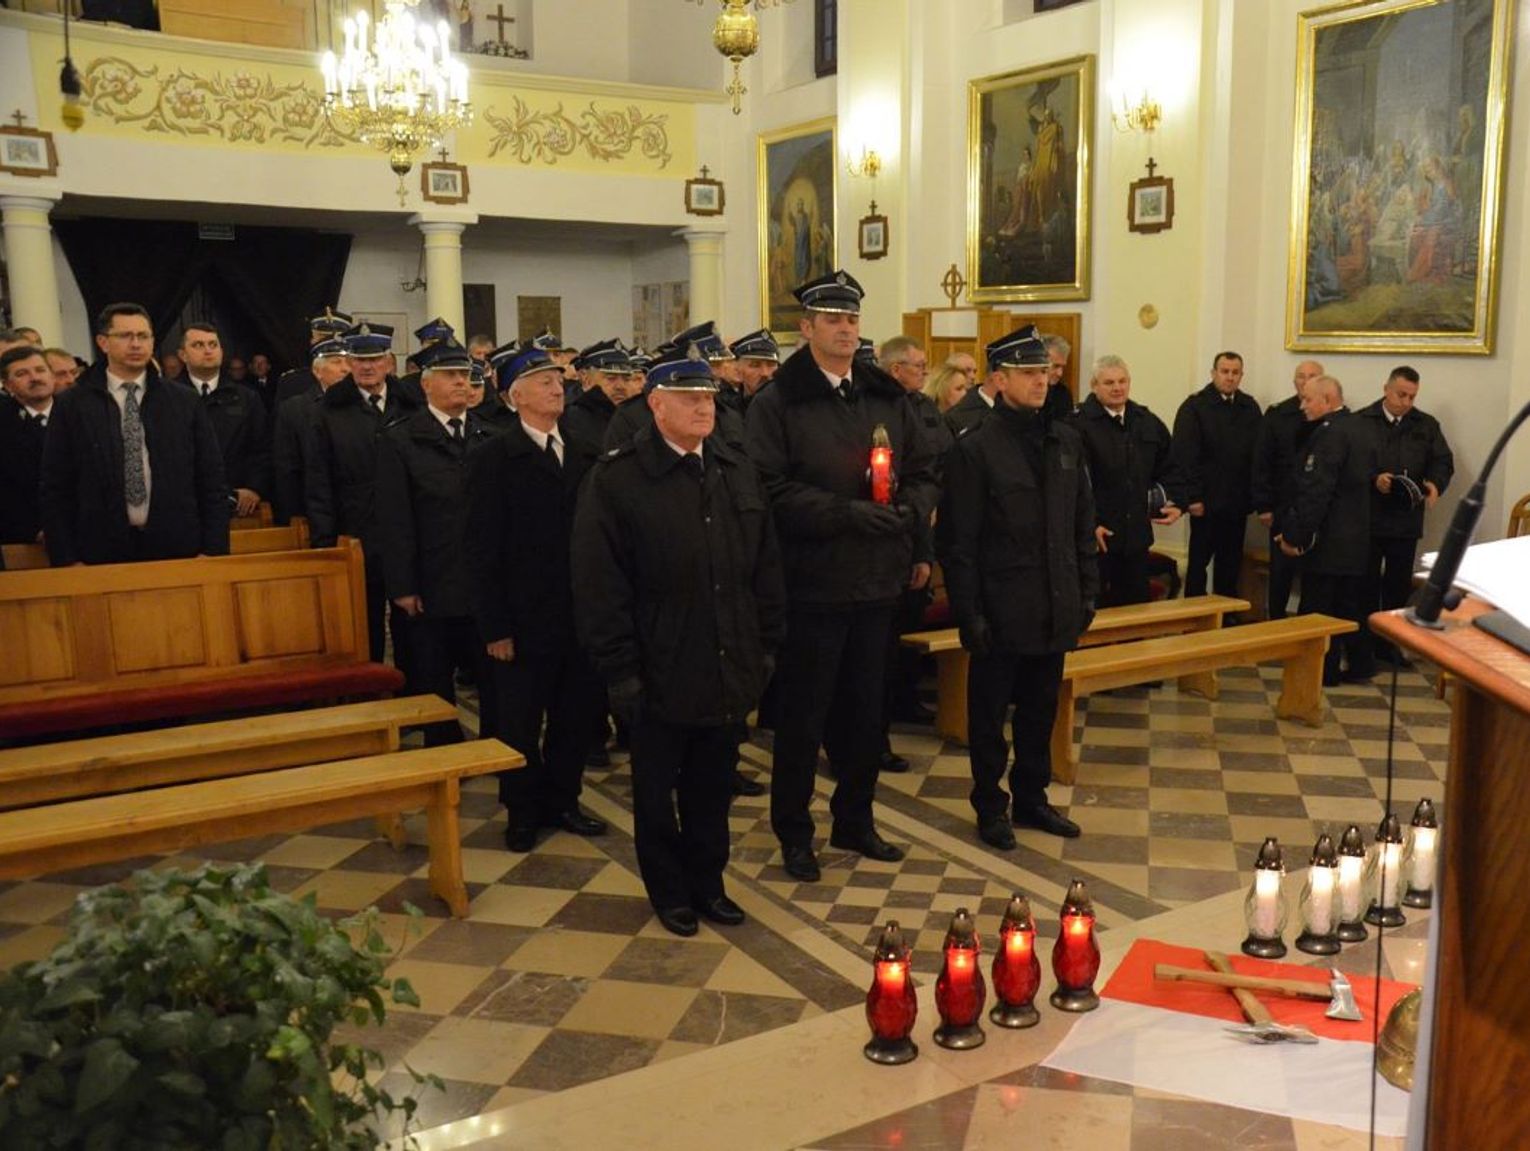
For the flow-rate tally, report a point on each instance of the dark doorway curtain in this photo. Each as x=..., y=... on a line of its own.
x=272, y=279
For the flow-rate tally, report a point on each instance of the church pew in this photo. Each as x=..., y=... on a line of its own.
x=1297, y=642
x=1110, y=625
x=245, y=542
x=41, y=840
x=24, y=557
x=81, y=768
x=264, y=517
x=125, y=643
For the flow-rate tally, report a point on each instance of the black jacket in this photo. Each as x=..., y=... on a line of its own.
x=243, y=428
x=968, y=412
x=84, y=511
x=679, y=579
x=422, y=511
x=520, y=514
x=1276, y=450
x=813, y=451
x=291, y=450
x=294, y=382
x=495, y=413
x=1059, y=402
x=1214, y=450
x=1415, y=445
x=21, y=453
x=338, y=488
x=1330, y=518
x=1016, y=532
x=1124, y=462
x=633, y=415
x=587, y=416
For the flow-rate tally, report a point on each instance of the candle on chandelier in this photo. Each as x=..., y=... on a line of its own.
x=1351, y=927
x=891, y=1006
x=1016, y=968
x=1419, y=856
x=1076, y=954
x=960, y=990
x=1386, y=875
x=1319, y=905
x=1265, y=908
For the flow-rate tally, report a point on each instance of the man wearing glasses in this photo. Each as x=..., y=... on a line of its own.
x=131, y=466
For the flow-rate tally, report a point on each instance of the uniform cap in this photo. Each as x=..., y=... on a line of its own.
x=436, y=329
x=548, y=341
x=681, y=371
x=333, y=322
x=704, y=338
x=327, y=348
x=836, y=292
x=760, y=345
x=606, y=356
x=447, y=355
x=523, y=361
x=1022, y=348
x=368, y=341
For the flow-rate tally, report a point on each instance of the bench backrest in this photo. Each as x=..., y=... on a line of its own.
x=80, y=630
x=248, y=542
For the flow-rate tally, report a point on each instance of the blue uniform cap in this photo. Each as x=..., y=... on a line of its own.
x=836, y=292
x=524, y=360
x=368, y=341
x=704, y=338
x=1022, y=348
x=327, y=348
x=681, y=371
x=448, y=355
x=866, y=352
x=606, y=356
x=548, y=341
x=333, y=322
x=760, y=345
x=436, y=329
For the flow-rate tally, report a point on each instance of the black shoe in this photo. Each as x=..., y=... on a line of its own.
x=867, y=843
x=1045, y=817
x=1358, y=675
x=576, y=822
x=801, y=864
x=893, y=762
x=743, y=785
x=720, y=909
x=678, y=920
x=520, y=837
x=917, y=713
x=1332, y=679
x=600, y=757
x=995, y=832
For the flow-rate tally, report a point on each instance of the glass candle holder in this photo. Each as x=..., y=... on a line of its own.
x=891, y=1005
x=1016, y=968
x=1265, y=908
x=1076, y=954
x=960, y=990
x=1385, y=878
x=1351, y=927
x=1319, y=907
x=1420, y=856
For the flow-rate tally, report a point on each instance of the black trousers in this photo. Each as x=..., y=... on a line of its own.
x=1283, y=572
x=1123, y=577
x=682, y=783
x=1335, y=595
x=383, y=619
x=1215, y=538
x=1031, y=683
x=1387, y=584
x=438, y=647
x=545, y=703
x=830, y=672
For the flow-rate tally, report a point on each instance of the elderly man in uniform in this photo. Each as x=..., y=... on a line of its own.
x=681, y=610
x=608, y=370
x=522, y=487
x=421, y=523
x=1282, y=432
x=848, y=549
x=332, y=325
x=1016, y=540
x=759, y=358
x=291, y=446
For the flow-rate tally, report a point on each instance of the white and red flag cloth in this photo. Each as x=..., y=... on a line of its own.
x=1172, y=1037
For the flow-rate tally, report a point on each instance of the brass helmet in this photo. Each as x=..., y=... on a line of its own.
x=1398, y=1044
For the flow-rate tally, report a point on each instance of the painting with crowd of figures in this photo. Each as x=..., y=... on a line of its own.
x=796, y=198
x=1395, y=206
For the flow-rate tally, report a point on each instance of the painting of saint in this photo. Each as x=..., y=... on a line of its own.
x=796, y=197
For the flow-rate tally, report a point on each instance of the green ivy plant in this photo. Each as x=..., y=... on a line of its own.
x=195, y=1010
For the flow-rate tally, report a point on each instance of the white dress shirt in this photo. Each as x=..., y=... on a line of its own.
x=541, y=438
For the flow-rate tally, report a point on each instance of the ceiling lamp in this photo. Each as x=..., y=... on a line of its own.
x=402, y=91
x=737, y=36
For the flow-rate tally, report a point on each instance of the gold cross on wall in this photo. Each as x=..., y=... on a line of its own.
x=953, y=283
x=501, y=19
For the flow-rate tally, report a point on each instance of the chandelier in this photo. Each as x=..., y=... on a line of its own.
x=736, y=35
x=402, y=91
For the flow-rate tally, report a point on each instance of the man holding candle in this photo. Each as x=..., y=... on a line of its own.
x=1016, y=540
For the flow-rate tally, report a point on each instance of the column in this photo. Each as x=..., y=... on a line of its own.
x=705, y=246
x=29, y=264
x=443, y=263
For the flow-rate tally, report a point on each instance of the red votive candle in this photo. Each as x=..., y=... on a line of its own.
x=891, y=1005
x=960, y=990
x=881, y=471
x=1016, y=968
x=1076, y=954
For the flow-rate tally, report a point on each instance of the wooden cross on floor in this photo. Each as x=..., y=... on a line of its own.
x=501, y=19
x=19, y=117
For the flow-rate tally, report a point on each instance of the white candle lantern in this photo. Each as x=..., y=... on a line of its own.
x=1420, y=856
x=1265, y=908
x=1351, y=927
x=1385, y=876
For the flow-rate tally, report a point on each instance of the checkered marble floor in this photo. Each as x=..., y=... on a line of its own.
x=561, y=976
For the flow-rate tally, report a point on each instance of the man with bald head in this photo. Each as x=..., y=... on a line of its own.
x=1274, y=478
x=1328, y=525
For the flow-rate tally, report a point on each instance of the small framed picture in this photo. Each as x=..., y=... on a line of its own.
x=873, y=237
x=443, y=183
x=1150, y=204
x=704, y=197
x=27, y=152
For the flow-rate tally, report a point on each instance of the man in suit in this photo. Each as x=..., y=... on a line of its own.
x=295, y=417
x=238, y=417
x=131, y=466
x=1282, y=430
x=421, y=522
x=263, y=380
x=340, y=487
x=332, y=325
x=522, y=488
x=23, y=428
x=848, y=556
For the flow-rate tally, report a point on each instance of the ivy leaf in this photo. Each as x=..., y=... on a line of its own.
x=107, y=1068
x=403, y=992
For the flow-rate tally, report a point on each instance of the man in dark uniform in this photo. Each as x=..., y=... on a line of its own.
x=1213, y=457
x=847, y=559
x=1273, y=483
x=238, y=417
x=429, y=334
x=28, y=385
x=421, y=525
x=1329, y=524
x=759, y=358
x=295, y=418
x=494, y=409
x=332, y=325
x=681, y=610
x=340, y=487
x=611, y=383
x=131, y=468
x=522, y=488
x=1414, y=466
x=974, y=407
x=1018, y=547
x=1127, y=450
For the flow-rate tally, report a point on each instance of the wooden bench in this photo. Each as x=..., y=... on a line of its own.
x=248, y=542
x=1111, y=625
x=263, y=517
x=126, y=643
x=1298, y=642
x=48, y=773
x=40, y=840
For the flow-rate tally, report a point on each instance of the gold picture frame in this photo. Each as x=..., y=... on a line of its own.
x=796, y=197
x=1150, y=205
x=1030, y=139
x=442, y=182
x=1397, y=178
x=27, y=151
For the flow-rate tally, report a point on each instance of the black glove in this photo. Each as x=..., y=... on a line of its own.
x=768, y=662
x=1088, y=616
x=626, y=700
x=977, y=638
x=875, y=519
x=909, y=517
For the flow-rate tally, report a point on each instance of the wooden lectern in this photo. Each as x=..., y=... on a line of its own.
x=1480, y=1057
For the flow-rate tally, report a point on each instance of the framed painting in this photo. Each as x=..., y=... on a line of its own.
x=27, y=152
x=704, y=197
x=1029, y=137
x=872, y=236
x=1150, y=205
x=1397, y=179
x=443, y=183
x=796, y=206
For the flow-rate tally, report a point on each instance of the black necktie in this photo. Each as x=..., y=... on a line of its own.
x=40, y=420
x=846, y=389
x=1120, y=419
x=455, y=424
x=206, y=390
x=552, y=452
x=692, y=464
x=375, y=399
